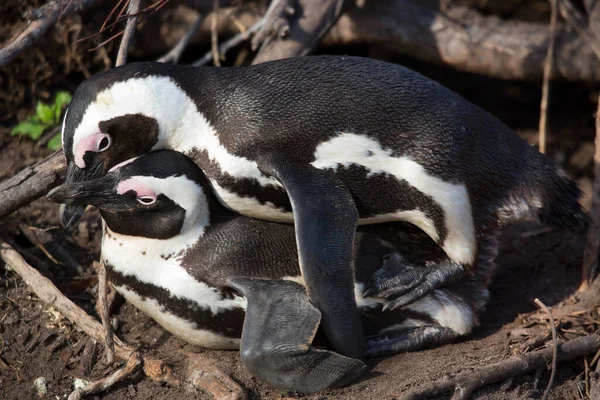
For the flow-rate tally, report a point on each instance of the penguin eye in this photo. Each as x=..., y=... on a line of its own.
x=146, y=200
x=104, y=144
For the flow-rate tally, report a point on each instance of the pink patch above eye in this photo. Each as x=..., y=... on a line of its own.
x=139, y=188
x=88, y=143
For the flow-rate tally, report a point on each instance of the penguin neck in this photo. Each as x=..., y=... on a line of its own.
x=154, y=249
x=186, y=126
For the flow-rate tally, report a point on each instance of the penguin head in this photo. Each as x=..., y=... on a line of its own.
x=114, y=116
x=158, y=195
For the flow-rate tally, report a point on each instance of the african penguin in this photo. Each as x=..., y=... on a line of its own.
x=328, y=142
x=196, y=267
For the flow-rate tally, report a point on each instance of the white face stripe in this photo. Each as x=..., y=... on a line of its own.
x=187, y=194
x=348, y=148
x=181, y=126
x=62, y=131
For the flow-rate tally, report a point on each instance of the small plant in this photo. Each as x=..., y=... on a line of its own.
x=46, y=116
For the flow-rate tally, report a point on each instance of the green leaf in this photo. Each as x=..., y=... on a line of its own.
x=63, y=98
x=55, y=143
x=29, y=128
x=61, y=102
x=44, y=113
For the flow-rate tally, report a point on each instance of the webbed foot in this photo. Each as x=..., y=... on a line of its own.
x=403, y=340
x=401, y=282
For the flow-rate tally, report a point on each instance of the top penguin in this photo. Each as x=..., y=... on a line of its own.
x=327, y=142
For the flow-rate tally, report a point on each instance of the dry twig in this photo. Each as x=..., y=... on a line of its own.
x=465, y=383
x=42, y=19
x=547, y=75
x=230, y=44
x=134, y=362
x=214, y=36
x=542, y=306
x=175, y=53
x=132, y=14
x=103, y=310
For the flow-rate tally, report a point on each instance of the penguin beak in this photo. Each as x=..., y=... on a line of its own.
x=72, y=212
x=76, y=196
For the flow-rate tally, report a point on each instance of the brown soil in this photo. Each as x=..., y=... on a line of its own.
x=35, y=341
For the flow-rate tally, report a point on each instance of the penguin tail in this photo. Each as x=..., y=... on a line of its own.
x=547, y=196
x=558, y=202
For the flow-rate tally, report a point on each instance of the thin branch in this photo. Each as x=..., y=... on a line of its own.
x=541, y=305
x=547, y=75
x=230, y=44
x=214, y=36
x=44, y=18
x=175, y=53
x=132, y=12
x=134, y=362
x=465, y=383
x=104, y=311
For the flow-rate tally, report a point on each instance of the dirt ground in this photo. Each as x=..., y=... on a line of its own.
x=35, y=341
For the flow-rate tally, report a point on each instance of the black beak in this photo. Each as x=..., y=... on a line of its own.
x=72, y=212
x=75, y=196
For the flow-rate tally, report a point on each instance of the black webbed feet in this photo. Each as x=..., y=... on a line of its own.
x=276, y=346
x=404, y=340
x=401, y=282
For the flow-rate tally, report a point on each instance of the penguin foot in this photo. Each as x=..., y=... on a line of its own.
x=401, y=282
x=404, y=340
x=279, y=328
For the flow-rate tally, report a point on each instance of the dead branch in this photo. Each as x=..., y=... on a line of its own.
x=275, y=22
x=214, y=35
x=580, y=24
x=230, y=44
x=132, y=13
x=42, y=19
x=31, y=183
x=466, y=40
x=541, y=305
x=465, y=383
x=310, y=22
x=103, y=309
x=548, y=64
x=134, y=362
x=175, y=53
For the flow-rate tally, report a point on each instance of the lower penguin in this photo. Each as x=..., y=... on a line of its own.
x=222, y=280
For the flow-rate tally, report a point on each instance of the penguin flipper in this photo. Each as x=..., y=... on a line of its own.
x=279, y=328
x=404, y=340
x=325, y=218
x=401, y=282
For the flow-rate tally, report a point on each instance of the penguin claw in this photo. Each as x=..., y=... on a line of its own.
x=401, y=282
